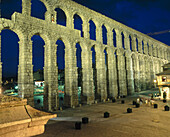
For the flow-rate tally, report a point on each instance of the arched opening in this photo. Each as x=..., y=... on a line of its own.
x=146, y=73
x=142, y=46
x=38, y=9
x=114, y=38
x=38, y=71
x=123, y=40
x=94, y=70
x=141, y=63
x=152, y=75
x=79, y=70
x=130, y=40
x=107, y=72
x=92, y=30
x=104, y=34
x=61, y=71
x=9, y=7
x=152, y=53
x=10, y=60
x=134, y=66
x=136, y=44
x=61, y=17
x=148, y=48
x=78, y=23
x=116, y=60
x=38, y=52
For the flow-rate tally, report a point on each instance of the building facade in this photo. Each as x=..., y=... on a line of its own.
x=163, y=81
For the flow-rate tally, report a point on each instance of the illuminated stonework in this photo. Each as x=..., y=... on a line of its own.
x=129, y=69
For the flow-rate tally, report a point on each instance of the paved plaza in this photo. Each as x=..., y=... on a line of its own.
x=145, y=121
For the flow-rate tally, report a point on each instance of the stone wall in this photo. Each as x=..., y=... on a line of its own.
x=132, y=65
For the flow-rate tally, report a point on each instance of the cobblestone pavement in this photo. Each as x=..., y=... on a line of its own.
x=145, y=121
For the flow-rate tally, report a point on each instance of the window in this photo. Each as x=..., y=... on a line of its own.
x=163, y=79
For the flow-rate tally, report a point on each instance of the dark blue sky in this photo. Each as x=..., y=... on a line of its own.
x=143, y=15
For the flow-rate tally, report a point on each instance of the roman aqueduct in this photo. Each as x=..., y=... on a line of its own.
x=132, y=62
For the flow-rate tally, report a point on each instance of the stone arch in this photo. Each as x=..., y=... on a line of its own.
x=141, y=71
x=65, y=40
x=60, y=63
x=120, y=51
x=114, y=37
x=41, y=34
x=104, y=34
x=146, y=72
x=137, y=44
x=94, y=68
x=11, y=50
x=61, y=15
x=38, y=58
x=80, y=15
x=123, y=40
x=130, y=41
x=60, y=46
x=78, y=47
x=8, y=24
x=92, y=31
x=152, y=72
x=80, y=42
x=79, y=69
x=148, y=48
x=78, y=23
x=106, y=69
x=46, y=4
x=143, y=46
x=16, y=31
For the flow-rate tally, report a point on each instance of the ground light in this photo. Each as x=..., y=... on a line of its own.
x=16, y=87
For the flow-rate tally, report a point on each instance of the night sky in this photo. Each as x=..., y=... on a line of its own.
x=143, y=15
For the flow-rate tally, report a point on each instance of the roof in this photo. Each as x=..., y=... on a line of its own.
x=165, y=72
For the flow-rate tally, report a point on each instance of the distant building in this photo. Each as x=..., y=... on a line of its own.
x=163, y=80
x=38, y=79
x=61, y=79
x=38, y=75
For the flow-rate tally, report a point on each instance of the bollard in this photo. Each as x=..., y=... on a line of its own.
x=113, y=100
x=164, y=101
x=129, y=110
x=155, y=105
x=106, y=114
x=85, y=120
x=134, y=102
x=122, y=101
x=137, y=105
x=166, y=108
x=78, y=125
